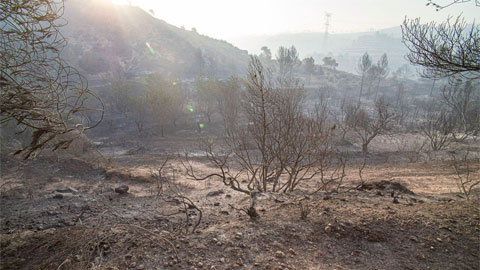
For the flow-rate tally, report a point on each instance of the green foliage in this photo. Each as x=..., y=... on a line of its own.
x=330, y=62
x=287, y=60
x=207, y=92
x=165, y=98
x=309, y=65
x=266, y=54
x=228, y=102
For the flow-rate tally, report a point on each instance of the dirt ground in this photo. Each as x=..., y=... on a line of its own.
x=63, y=213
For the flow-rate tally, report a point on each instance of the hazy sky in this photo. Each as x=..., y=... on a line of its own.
x=225, y=19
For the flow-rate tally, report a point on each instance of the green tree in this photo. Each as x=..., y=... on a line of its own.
x=207, y=89
x=309, y=65
x=228, y=101
x=266, y=53
x=287, y=60
x=130, y=102
x=376, y=73
x=164, y=99
x=330, y=62
x=364, y=66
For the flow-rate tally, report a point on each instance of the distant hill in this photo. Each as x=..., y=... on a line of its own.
x=346, y=48
x=105, y=39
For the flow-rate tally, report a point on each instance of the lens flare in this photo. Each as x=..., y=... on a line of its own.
x=174, y=83
x=201, y=125
x=189, y=108
x=150, y=48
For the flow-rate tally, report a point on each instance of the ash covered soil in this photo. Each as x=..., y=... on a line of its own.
x=64, y=213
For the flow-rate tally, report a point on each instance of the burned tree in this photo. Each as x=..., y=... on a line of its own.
x=366, y=126
x=278, y=147
x=447, y=49
x=39, y=91
x=462, y=99
x=364, y=66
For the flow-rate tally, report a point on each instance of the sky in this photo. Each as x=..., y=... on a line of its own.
x=226, y=19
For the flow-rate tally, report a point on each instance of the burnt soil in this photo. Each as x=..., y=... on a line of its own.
x=63, y=213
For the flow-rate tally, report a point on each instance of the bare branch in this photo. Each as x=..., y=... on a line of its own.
x=38, y=89
x=446, y=49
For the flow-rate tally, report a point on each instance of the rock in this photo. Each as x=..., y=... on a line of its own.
x=228, y=196
x=122, y=189
x=395, y=200
x=58, y=196
x=238, y=235
x=140, y=267
x=215, y=193
x=291, y=251
x=279, y=254
x=216, y=204
x=222, y=260
x=77, y=258
x=67, y=190
x=328, y=228
x=200, y=264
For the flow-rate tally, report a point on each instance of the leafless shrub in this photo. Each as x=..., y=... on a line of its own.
x=251, y=211
x=362, y=167
x=366, y=126
x=39, y=91
x=304, y=211
x=278, y=149
x=168, y=190
x=463, y=101
x=467, y=171
x=412, y=149
x=444, y=50
x=437, y=128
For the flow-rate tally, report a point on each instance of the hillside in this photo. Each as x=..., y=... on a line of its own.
x=346, y=48
x=104, y=38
